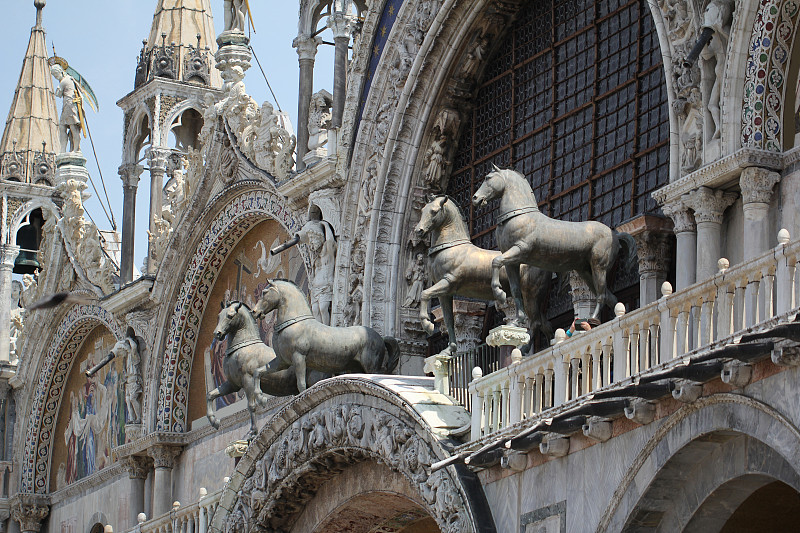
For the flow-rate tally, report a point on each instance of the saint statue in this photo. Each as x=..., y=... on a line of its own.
x=235, y=13
x=318, y=235
x=70, y=125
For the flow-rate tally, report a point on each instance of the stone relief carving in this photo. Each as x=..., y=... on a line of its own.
x=319, y=121
x=261, y=133
x=84, y=240
x=717, y=16
x=159, y=237
x=210, y=121
x=128, y=349
x=416, y=276
x=272, y=497
x=17, y=318
x=434, y=161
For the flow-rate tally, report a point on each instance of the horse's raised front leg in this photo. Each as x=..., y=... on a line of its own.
x=447, y=311
x=516, y=291
x=299, y=361
x=437, y=290
x=223, y=390
x=512, y=256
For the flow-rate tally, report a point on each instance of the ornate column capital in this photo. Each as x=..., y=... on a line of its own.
x=8, y=254
x=468, y=317
x=681, y=216
x=756, y=184
x=306, y=46
x=29, y=515
x=157, y=159
x=130, y=173
x=709, y=205
x=137, y=467
x=341, y=25
x=164, y=455
x=653, y=249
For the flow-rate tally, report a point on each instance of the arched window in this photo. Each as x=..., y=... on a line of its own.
x=575, y=98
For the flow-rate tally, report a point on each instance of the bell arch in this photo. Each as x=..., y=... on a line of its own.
x=347, y=423
x=225, y=220
x=47, y=393
x=765, y=442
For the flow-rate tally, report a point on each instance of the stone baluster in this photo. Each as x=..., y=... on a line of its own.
x=130, y=182
x=8, y=254
x=157, y=161
x=608, y=350
x=785, y=274
x=538, y=394
x=756, y=185
x=686, y=236
x=667, y=322
x=708, y=206
x=516, y=389
x=306, y=46
x=164, y=461
x=478, y=406
x=620, y=344
x=549, y=378
x=137, y=468
x=560, y=373
x=29, y=516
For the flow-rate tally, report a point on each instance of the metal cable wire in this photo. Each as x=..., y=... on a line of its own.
x=102, y=181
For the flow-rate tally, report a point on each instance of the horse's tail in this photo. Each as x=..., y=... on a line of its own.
x=392, y=357
x=629, y=256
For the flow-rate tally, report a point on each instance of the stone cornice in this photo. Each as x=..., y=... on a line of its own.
x=721, y=172
x=319, y=176
x=162, y=86
x=129, y=296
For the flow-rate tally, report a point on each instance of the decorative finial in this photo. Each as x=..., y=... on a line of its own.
x=39, y=5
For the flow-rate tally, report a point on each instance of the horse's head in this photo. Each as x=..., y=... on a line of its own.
x=228, y=319
x=492, y=187
x=433, y=216
x=270, y=299
x=124, y=347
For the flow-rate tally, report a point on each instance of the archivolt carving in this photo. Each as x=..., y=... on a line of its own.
x=320, y=443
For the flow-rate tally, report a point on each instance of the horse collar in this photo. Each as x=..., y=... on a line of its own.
x=286, y=323
x=241, y=344
x=516, y=212
x=445, y=245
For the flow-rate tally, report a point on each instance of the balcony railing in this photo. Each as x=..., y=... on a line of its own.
x=194, y=518
x=754, y=293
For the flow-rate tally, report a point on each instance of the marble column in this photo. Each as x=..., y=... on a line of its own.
x=708, y=206
x=686, y=247
x=8, y=254
x=583, y=299
x=163, y=460
x=130, y=182
x=5, y=390
x=157, y=160
x=341, y=25
x=756, y=185
x=29, y=516
x=654, y=258
x=137, y=468
x=306, y=46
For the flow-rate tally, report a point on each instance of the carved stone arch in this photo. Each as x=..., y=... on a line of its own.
x=766, y=76
x=16, y=219
x=335, y=425
x=178, y=109
x=44, y=401
x=134, y=130
x=210, y=236
x=718, y=415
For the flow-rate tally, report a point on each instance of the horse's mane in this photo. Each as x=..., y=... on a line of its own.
x=238, y=302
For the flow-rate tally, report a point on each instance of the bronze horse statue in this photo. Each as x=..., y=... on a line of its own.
x=463, y=269
x=300, y=340
x=245, y=355
x=525, y=235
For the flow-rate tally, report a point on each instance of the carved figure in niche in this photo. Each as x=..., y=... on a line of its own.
x=30, y=288
x=678, y=21
x=691, y=119
x=318, y=235
x=16, y=317
x=209, y=120
x=128, y=349
x=367, y=195
x=319, y=119
x=159, y=237
x=235, y=15
x=475, y=57
x=416, y=278
x=718, y=17
x=434, y=161
x=229, y=163
x=70, y=123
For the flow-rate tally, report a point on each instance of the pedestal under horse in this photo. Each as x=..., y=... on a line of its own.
x=525, y=235
x=302, y=341
x=458, y=267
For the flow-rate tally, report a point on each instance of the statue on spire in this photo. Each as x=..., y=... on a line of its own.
x=236, y=14
x=70, y=125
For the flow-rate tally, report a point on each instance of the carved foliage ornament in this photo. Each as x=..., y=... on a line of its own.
x=324, y=442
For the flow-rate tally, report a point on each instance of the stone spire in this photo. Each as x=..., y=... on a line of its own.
x=181, y=45
x=33, y=117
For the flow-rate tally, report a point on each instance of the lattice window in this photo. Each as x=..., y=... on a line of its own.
x=574, y=97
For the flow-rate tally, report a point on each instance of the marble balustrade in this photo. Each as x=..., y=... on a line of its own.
x=194, y=518
x=752, y=295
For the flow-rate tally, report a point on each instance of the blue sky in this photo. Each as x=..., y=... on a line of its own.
x=102, y=40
